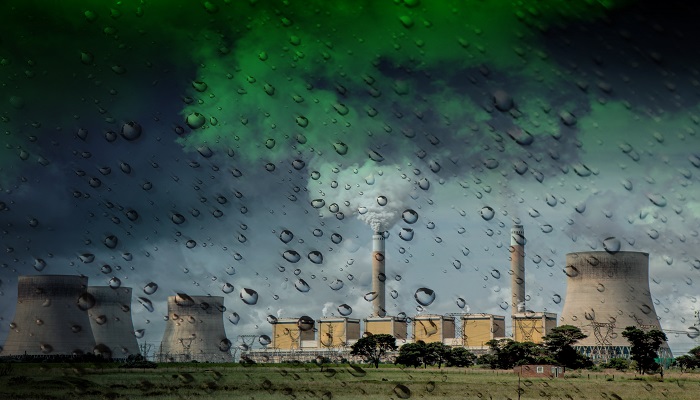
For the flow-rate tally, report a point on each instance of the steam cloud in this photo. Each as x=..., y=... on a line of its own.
x=361, y=191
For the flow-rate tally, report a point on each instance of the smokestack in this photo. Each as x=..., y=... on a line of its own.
x=517, y=268
x=378, y=276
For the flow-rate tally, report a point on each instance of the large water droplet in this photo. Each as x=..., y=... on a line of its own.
x=227, y=288
x=409, y=216
x=195, y=120
x=249, y=296
x=487, y=213
x=424, y=296
x=611, y=245
x=146, y=303
x=406, y=234
x=291, y=256
x=150, y=288
x=344, y=310
x=305, y=323
x=316, y=257
x=86, y=301
x=234, y=318
x=131, y=131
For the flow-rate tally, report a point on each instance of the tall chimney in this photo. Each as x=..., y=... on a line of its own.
x=517, y=268
x=378, y=276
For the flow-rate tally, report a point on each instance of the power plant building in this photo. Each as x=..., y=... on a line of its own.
x=337, y=332
x=111, y=322
x=194, y=330
x=396, y=327
x=433, y=328
x=605, y=294
x=532, y=326
x=51, y=318
x=477, y=329
x=293, y=333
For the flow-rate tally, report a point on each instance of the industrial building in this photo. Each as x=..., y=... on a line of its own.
x=394, y=326
x=338, y=332
x=110, y=319
x=532, y=326
x=290, y=334
x=194, y=330
x=51, y=317
x=433, y=328
x=477, y=329
x=606, y=293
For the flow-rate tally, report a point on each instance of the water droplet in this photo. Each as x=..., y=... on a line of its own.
x=298, y=164
x=318, y=203
x=131, y=131
x=370, y=296
x=147, y=304
x=382, y=200
x=336, y=284
x=291, y=256
x=556, y=298
x=693, y=332
x=344, y=310
x=406, y=234
x=39, y=264
x=286, y=236
x=234, y=318
x=191, y=244
x=461, y=303
x=139, y=333
x=546, y=228
x=374, y=156
x=487, y=213
x=302, y=286
x=86, y=301
x=115, y=282
x=315, y=257
x=424, y=183
x=111, y=241
x=340, y=148
x=409, y=216
x=611, y=245
x=336, y=238
x=657, y=199
x=249, y=296
x=402, y=391
x=496, y=273
x=424, y=296
x=305, y=323
x=264, y=340
x=150, y=288
x=195, y=120
x=87, y=258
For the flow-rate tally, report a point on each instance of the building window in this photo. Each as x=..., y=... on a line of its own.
x=540, y=370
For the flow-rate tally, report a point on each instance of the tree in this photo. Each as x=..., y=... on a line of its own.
x=645, y=346
x=509, y=353
x=460, y=357
x=559, y=344
x=620, y=364
x=686, y=362
x=412, y=354
x=437, y=353
x=374, y=347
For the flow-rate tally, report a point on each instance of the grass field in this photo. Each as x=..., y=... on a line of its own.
x=217, y=381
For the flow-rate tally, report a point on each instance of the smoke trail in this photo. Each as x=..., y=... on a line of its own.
x=377, y=196
x=326, y=307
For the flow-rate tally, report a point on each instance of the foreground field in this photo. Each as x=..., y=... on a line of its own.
x=216, y=381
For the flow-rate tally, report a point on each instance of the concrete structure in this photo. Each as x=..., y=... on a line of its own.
x=111, y=322
x=293, y=333
x=517, y=268
x=532, y=326
x=378, y=275
x=434, y=328
x=195, y=330
x=338, y=332
x=389, y=325
x=51, y=318
x=605, y=294
x=477, y=329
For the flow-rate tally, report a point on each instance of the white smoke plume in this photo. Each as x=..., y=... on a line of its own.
x=326, y=307
x=376, y=195
x=279, y=313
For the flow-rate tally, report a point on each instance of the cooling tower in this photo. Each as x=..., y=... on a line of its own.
x=111, y=322
x=195, y=330
x=517, y=268
x=50, y=319
x=605, y=294
x=378, y=276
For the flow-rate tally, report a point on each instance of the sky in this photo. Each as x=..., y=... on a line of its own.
x=220, y=147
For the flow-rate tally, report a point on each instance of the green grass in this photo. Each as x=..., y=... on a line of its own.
x=217, y=381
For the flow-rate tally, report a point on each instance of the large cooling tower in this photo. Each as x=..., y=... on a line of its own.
x=517, y=268
x=605, y=294
x=51, y=317
x=111, y=322
x=195, y=330
x=378, y=275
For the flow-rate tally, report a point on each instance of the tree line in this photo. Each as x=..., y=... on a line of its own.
x=557, y=348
